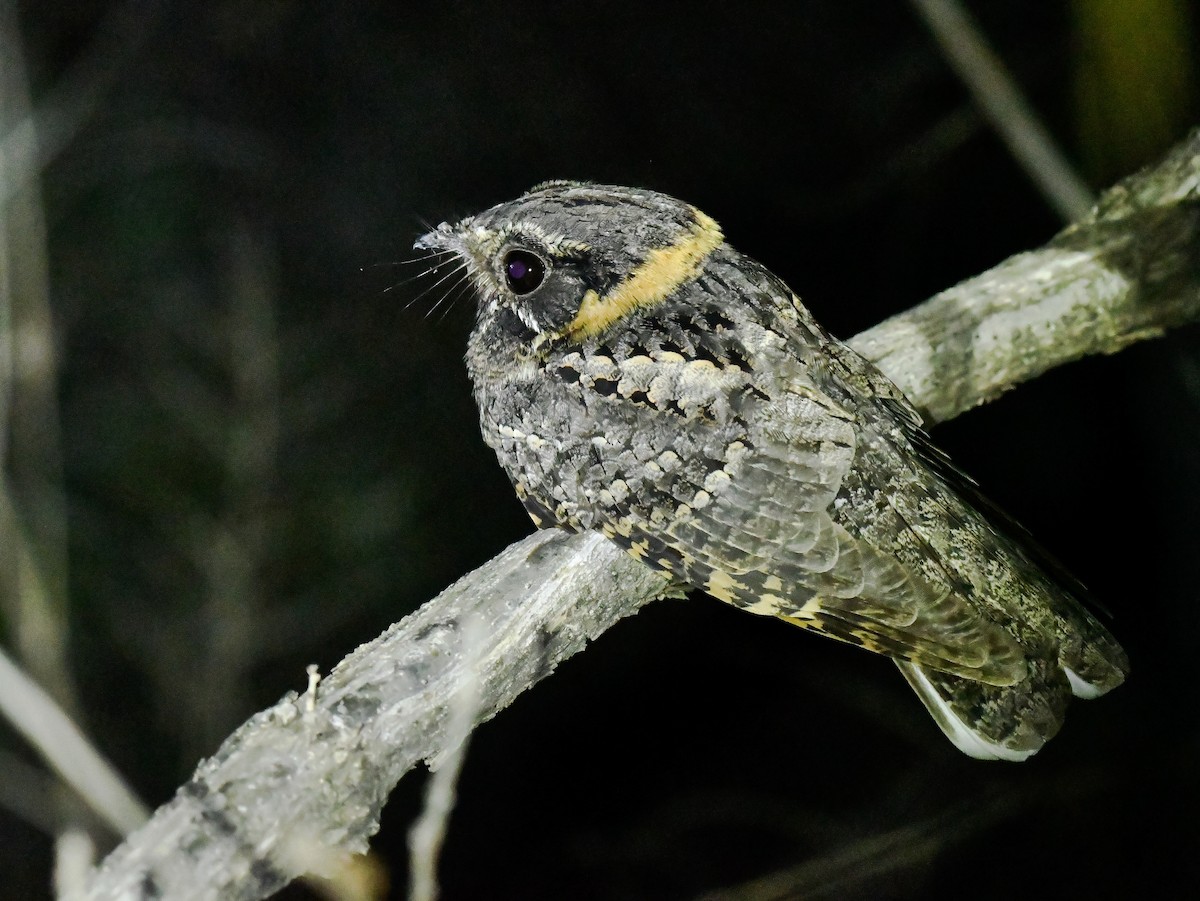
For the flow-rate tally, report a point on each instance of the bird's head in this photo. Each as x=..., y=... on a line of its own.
x=568, y=260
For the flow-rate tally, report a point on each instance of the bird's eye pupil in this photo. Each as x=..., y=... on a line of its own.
x=523, y=271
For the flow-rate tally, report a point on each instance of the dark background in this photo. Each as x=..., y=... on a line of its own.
x=268, y=455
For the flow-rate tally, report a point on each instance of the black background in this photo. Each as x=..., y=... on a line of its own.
x=692, y=749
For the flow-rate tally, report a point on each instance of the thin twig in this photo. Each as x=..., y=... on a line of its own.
x=861, y=863
x=33, y=519
x=63, y=746
x=35, y=139
x=429, y=831
x=74, y=857
x=997, y=94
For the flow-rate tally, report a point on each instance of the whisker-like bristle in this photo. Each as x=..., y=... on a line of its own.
x=457, y=269
x=457, y=285
x=441, y=251
x=393, y=264
x=412, y=278
x=455, y=294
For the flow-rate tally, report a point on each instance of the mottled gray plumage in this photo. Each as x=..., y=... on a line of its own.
x=637, y=375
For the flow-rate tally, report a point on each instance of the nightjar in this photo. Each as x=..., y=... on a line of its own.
x=638, y=376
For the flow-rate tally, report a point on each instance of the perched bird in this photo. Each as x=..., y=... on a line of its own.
x=637, y=375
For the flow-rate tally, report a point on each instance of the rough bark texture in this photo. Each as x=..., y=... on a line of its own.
x=1129, y=271
x=315, y=772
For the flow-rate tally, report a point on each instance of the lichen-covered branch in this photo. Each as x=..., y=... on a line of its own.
x=1129, y=271
x=314, y=771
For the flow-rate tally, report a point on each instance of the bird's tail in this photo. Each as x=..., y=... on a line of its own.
x=991, y=722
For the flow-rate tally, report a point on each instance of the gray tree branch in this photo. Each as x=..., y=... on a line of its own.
x=313, y=772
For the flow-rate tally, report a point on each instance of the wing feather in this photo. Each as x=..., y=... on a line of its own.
x=988, y=557
x=769, y=539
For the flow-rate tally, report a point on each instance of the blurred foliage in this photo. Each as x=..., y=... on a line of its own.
x=1135, y=80
x=267, y=456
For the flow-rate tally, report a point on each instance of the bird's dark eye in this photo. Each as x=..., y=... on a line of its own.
x=523, y=271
